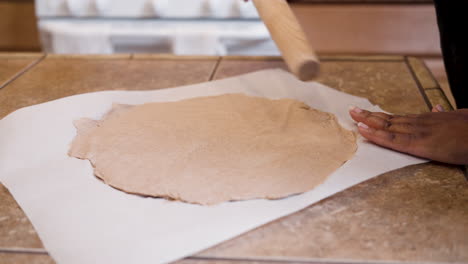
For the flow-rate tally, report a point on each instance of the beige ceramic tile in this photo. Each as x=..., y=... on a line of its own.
x=20, y=55
x=25, y=258
x=117, y=56
x=437, y=68
x=416, y=214
x=11, y=66
x=56, y=78
x=162, y=56
x=445, y=86
x=388, y=84
x=233, y=66
x=259, y=58
x=380, y=58
x=437, y=96
x=15, y=229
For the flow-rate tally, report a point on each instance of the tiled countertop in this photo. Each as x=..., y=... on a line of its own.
x=414, y=214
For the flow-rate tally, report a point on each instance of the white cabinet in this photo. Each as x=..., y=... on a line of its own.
x=146, y=8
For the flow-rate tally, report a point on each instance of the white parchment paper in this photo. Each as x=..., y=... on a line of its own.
x=82, y=220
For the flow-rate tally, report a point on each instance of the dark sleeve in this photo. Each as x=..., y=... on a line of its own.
x=453, y=26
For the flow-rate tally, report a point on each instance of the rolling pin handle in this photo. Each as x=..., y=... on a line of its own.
x=289, y=37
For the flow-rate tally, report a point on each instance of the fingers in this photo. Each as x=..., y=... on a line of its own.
x=362, y=114
x=399, y=133
x=397, y=141
x=382, y=121
x=438, y=108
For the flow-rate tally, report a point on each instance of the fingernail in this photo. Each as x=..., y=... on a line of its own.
x=363, y=126
x=355, y=109
x=440, y=108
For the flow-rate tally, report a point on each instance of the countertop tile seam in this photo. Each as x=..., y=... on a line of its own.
x=215, y=68
x=418, y=84
x=444, y=96
x=171, y=57
x=20, y=55
x=23, y=71
x=117, y=56
x=445, y=102
x=433, y=88
x=430, y=74
x=16, y=250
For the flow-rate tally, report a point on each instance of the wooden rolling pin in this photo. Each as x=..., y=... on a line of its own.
x=289, y=37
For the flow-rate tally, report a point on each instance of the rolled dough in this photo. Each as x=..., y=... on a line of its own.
x=209, y=150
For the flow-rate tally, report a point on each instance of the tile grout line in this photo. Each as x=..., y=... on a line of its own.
x=437, y=86
x=444, y=96
x=38, y=251
x=23, y=71
x=418, y=84
x=433, y=88
x=215, y=68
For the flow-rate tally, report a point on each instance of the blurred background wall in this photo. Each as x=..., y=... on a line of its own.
x=18, y=26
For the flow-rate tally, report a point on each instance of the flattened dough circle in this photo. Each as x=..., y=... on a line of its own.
x=209, y=150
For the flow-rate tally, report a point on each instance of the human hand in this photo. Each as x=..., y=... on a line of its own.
x=440, y=136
